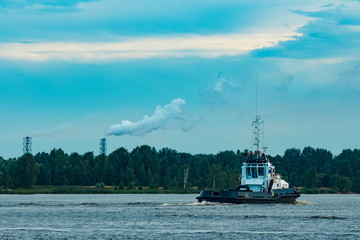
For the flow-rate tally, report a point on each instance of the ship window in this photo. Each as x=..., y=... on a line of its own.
x=261, y=171
x=248, y=171
x=254, y=172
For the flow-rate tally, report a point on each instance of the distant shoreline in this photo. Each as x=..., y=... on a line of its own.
x=93, y=190
x=145, y=190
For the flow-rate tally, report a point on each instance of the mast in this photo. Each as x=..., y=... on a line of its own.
x=257, y=123
x=256, y=95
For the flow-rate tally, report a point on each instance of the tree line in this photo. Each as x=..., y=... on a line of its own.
x=167, y=168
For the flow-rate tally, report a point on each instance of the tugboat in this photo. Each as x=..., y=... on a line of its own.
x=259, y=183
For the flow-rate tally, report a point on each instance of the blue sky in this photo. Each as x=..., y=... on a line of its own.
x=178, y=74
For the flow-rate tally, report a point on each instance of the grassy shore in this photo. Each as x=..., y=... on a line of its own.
x=305, y=190
x=93, y=190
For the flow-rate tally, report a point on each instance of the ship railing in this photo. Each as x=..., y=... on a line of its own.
x=256, y=160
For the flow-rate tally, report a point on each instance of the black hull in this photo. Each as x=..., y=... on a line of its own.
x=248, y=200
x=241, y=197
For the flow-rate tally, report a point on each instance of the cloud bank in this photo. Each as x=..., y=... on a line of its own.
x=171, y=114
x=163, y=47
x=333, y=34
x=106, y=20
x=34, y=3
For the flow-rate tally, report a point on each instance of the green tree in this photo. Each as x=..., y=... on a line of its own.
x=87, y=160
x=147, y=155
x=44, y=176
x=292, y=163
x=293, y=179
x=58, y=163
x=109, y=175
x=216, y=176
x=232, y=176
x=129, y=176
x=97, y=170
x=26, y=171
x=132, y=185
x=324, y=180
x=166, y=180
x=119, y=160
x=2, y=171
x=60, y=178
x=100, y=185
x=228, y=158
x=311, y=179
x=76, y=170
x=356, y=183
x=320, y=179
x=343, y=183
x=142, y=176
x=346, y=184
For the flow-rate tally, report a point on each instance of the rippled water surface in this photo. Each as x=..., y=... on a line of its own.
x=172, y=216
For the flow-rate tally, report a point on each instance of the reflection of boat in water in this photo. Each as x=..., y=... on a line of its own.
x=259, y=183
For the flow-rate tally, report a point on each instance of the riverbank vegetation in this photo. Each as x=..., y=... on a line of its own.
x=67, y=189
x=146, y=170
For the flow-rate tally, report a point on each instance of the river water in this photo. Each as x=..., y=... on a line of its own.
x=173, y=216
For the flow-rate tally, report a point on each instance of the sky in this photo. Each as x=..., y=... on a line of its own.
x=179, y=74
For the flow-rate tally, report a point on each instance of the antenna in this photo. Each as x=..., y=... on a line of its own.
x=257, y=132
x=256, y=95
x=257, y=121
x=263, y=140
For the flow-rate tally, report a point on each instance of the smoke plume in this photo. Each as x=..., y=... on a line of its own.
x=171, y=114
x=65, y=129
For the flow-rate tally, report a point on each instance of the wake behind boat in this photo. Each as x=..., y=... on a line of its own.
x=259, y=183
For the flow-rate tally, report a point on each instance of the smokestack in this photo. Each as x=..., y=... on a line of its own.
x=27, y=145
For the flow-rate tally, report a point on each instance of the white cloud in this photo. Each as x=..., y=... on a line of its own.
x=170, y=114
x=224, y=85
x=219, y=85
x=134, y=48
x=224, y=92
